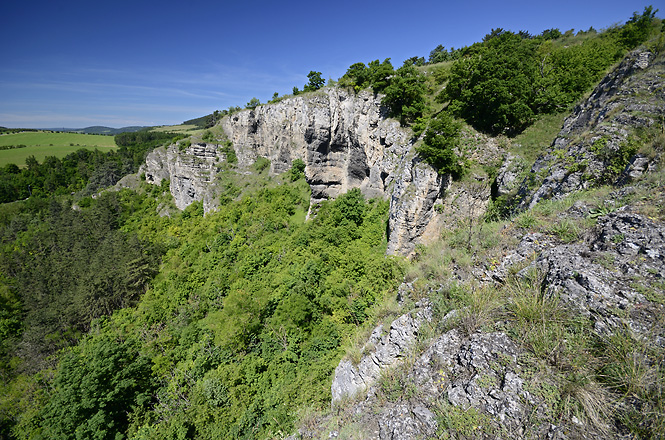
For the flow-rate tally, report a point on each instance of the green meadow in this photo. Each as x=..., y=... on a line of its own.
x=45, y=143
x=182, y=128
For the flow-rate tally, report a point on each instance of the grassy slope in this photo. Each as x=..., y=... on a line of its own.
x=41, y=144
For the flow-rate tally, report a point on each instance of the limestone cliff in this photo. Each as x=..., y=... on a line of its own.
x=191, y=170
x=345, y=140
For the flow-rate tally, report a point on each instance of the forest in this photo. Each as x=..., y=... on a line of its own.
x=119, y=323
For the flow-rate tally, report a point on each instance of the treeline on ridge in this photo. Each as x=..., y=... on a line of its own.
x=500, y=85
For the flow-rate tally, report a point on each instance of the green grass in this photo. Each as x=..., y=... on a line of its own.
x=42, y=144
x=182, y=128
x=535, y=139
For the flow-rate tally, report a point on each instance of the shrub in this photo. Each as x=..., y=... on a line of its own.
x=439, y=144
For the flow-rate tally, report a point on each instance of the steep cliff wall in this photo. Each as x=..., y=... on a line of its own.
x=345, y=140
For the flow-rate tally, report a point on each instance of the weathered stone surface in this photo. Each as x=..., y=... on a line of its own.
x=507, y=180
x=345, y=140
x=613, y=277
x=479, y=371
x=385, y=348
x=191, y=172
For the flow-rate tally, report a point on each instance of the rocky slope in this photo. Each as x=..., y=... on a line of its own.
x=346, y=142
x=593, y=277
x=599, y=137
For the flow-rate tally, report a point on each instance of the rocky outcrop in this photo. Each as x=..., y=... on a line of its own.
x=384, y=349
x=597, y=136
x=345, y=140
x=613, y=277
x=476, y=380
x=191, y=171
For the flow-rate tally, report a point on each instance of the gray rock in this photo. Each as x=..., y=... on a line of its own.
x=345, y=140
x=507, y=180
x=614, y=277
x=384, y=350
x=191, y=172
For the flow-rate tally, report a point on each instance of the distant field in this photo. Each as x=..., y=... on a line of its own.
x=41, y=144
x=185, y=129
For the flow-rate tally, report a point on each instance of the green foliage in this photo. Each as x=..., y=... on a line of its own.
x=614, y=158
x=229, y=151
x=502, y=84
x=458, y=422
x=97, y=386
x=253, y=103
x=315, y=81
x=438, y=55
x=637, y=29
x=297, y=170
x=261, y=164
x=59, y=268
x=273, y=299
x=87, y=171
x=441, y=140
x=208, y=120
x=493, y=88
x=243, y=323
x=405, y=94
x=375, y=75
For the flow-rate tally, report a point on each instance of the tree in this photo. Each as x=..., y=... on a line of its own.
x=405, y=96
x=96, y=387
x=439, y=143
x=297, y=170
x=438, y=55
x=637, y=28
x=493, y=87
x=356, y=76
x=414, y=61
x=253, y=103
x=379, y=74
x=315, y=81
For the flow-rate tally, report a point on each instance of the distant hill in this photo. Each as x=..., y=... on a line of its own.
x=99, y=129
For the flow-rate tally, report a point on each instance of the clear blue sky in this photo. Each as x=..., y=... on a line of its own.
x=117, y=63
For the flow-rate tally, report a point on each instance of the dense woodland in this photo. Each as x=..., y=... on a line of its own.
x=118, y=323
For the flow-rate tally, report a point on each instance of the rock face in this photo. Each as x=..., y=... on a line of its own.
x=477, y=375
x=346, y=142
x=191, y=171
x=597, y=134
x=613, y=277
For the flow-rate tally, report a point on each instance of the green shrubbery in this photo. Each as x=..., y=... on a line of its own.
x=243, y=323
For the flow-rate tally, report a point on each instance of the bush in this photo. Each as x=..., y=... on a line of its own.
x=261, y=164
x=297, y=170
x=439, y=144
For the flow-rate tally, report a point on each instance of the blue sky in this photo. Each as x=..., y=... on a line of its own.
x=118, y=63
